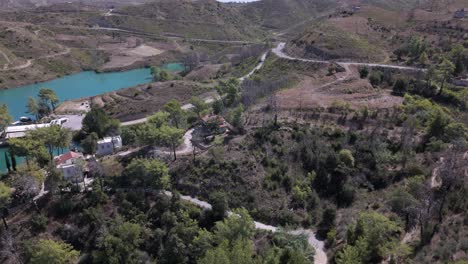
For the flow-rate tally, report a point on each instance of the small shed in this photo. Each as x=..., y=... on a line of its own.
x=108, y=145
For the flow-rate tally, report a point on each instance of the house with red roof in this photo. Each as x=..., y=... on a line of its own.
x=72, y=165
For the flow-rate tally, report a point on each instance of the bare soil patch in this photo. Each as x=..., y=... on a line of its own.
x=313, y=93
x=131, y=50
x=205, y=72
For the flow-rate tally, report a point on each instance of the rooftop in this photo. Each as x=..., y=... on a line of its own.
x=66, y=157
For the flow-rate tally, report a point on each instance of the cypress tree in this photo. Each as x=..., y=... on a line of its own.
x=7, y=161
x=13, y=160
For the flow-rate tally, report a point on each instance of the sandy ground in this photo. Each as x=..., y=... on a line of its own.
x=313, y=93
x=129, y=52
x=73, y=107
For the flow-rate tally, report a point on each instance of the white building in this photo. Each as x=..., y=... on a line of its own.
x=108, y=145
x=72, y=166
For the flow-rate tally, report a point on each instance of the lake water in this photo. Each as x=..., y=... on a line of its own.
x=83, y=84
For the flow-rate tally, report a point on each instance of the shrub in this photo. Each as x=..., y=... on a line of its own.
x=39, y=223
x=400, y=87
x=375, y=78
x=363, y=72
x=346, y=157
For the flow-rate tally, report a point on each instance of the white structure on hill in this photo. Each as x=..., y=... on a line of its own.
x=72, y=166
x=108, y=145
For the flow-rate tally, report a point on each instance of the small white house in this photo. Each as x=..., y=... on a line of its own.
x=72, y=165
x=108, y=145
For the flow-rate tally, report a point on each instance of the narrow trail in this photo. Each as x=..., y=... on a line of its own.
x=30, y=62
x=320, y=256
x=258, y=67
x=8, y=61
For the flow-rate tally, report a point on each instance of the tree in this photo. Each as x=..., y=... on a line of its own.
x=229, y=90
x=5, y=117
x=51, y=252
x=375, y=78
x=423, y=59
x=89, y=144
x=346, y=157
x=399, y=87
x=53, y=137
x=459, y=67
x=174, y=109
x=363, y=72
x=33, y=108
x=5, y=195
x=352, y=254
x=437, y=124
x=158, y=119
x=54, y=179
x=219, y=205
x=198, y=106
x=30, y=148
x=236, y=117
x=99, y=122
x=374, y=237
x=120, y=244
x=171, y=137
x=218, y=107
x=7, y=162
x=160, y=75
x=158, y=132
x=191, y=61
x=238, y=226
x=445, y=69
x=147, y=173
x=48, y=97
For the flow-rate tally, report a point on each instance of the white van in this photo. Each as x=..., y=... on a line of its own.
x=59, y=121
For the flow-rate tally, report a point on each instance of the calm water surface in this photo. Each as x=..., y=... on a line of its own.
x=83, y=84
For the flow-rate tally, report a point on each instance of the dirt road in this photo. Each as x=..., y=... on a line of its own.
x=320, y=255
x=279, y=51
x=29, y=62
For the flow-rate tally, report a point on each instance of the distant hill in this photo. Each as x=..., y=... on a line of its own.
x=7, y=5
x=207, y=19
x=280, y=14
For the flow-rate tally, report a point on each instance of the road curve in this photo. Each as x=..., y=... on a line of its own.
x=29, y=62
x=279, y=51
x=320, y=256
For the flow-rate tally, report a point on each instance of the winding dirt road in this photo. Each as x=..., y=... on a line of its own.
x=29, y=62
x=279, y=51
x=320, y=256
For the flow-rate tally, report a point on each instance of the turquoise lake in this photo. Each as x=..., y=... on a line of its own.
x=83, y=84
